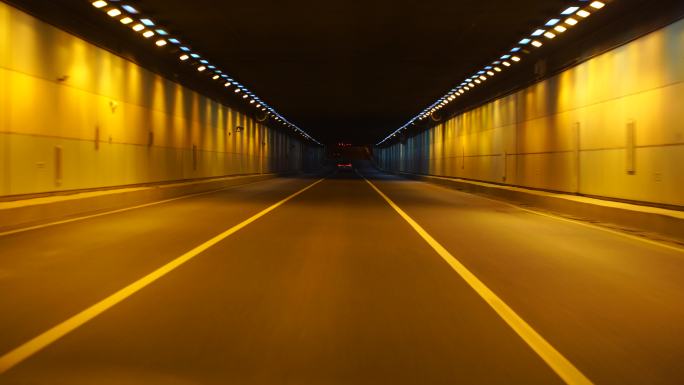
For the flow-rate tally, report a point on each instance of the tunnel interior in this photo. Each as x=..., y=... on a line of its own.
x=341, y=192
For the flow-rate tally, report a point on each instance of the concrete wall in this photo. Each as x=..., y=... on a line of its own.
x=612, y=126
x=75, y=116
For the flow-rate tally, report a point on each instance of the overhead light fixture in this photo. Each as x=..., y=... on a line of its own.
x=549, y=34
x=582, y=13
x=524, y=41
x=215, y=77
x=126, y=20
x=552, y=22
x=515, y=58
x=537, y=43
x=201, y=68
x=490, y=73
x=138, y=27
x=174, y=41
x=507, y=64
x=99, y=4
x=560, y=28
x=147, y=22
x=497, y=69
x=227, y=84
x=184, y=57
x=251, y=101
x=570, y=21
x=147, y=34
x=161, y=32
x=160, y=43
x=569, y=11
x=237, y=91
x=483, y=77
x=245, y=96
x=114, y=12
x=130, y=9
x=538, y=32
x=596, y=5
x=477, y=81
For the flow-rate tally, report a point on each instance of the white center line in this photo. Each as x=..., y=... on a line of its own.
x=556, y=361
x=27, y=349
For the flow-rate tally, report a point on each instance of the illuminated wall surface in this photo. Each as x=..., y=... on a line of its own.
x=612, y=126
x=74, y=116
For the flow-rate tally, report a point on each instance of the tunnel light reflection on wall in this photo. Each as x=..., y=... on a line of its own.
x=127, y=14
x=508, y=59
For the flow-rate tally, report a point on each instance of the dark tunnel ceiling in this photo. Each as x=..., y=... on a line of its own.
x=350, y=70
x=342, y=70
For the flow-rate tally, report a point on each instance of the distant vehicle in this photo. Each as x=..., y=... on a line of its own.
x=344, y=165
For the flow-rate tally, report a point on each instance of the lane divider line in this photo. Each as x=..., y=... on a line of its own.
x=552, y=357
x=33, y=346
x=36, y=227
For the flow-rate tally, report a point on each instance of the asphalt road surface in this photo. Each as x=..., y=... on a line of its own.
x=335, y=286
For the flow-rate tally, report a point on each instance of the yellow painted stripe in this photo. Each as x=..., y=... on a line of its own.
x=24, y=351
x=558, y=363
x=60, y=222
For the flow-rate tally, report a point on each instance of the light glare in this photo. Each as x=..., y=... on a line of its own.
x=99, y=4
x=126, y=20
x=114, y=12
x=160, y=43
x=138, y=27
x=583, y=13
x=596, y=5
x=570, y=21
x=148, y=34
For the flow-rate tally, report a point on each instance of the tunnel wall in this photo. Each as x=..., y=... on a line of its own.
x=75, y=116
x=612, y=126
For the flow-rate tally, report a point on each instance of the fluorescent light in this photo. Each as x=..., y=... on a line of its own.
x=237, y=91
x=126, y=20
x=477, y=81
x=483, y=77
x=497, y=69
x=201, y=68
x=215, y=77
x=537, y=43
x=552, y=22
x=524, y=41
x=596, y=5
x=549, y=34
x=147, y=22
x=204, y=61
x=114, y=12
x=569, y=11
x=505, y=56
x=515, y=58
x=148, y=34
x=227, y=84
x=251, y=101
x=186, y=49
x=515, y=49
x=570, y=21
x=162, y=32
x=560, y=28
x=194, y=55
x=99, y=4
x=184, y=57
x=538, y=32
x=130, y=9
x=258, y=105
x=138, y=27
x=160, y=43
x=583, y=13
x=490, y=73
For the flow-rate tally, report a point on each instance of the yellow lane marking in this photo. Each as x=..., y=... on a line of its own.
x=597, y=227
x=576, y=221
x=24, y=351
x=558, y=363
x=21, y=230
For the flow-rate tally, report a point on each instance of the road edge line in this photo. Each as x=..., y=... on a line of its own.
x=552, y=357
x=36, y=344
